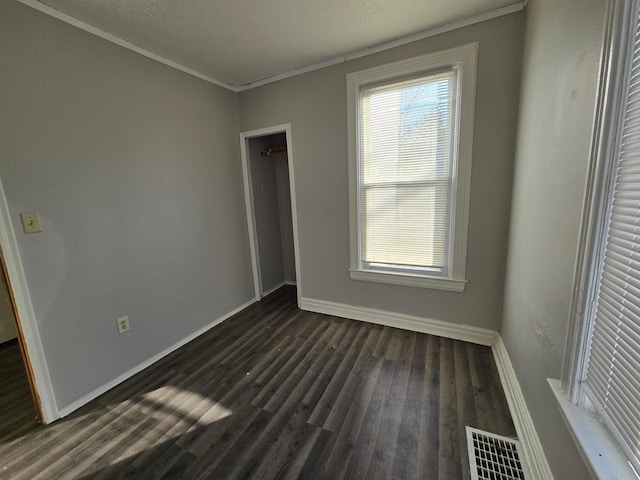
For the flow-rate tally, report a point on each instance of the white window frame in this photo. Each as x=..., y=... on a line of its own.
x=463, y=59
x=604, y=457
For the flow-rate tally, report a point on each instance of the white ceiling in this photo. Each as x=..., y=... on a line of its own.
x=240, y=42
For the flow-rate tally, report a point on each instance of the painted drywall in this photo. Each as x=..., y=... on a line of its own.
x=561, y=58
x=7, y=322
x=283, y=184
x=134, y=168
x=315, y=105
x=266, y=213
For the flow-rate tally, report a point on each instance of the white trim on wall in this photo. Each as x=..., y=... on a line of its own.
x=535, y=459
x=271, y=290
x=251, y=218
x=248, y=198
x=35, y=4
x=608, y=119
x=463, y=60
x=25, y=313
x=517, y=6
x=467, y=333
x=147, y=363
x=600, y=452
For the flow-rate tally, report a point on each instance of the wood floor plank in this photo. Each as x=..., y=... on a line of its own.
x=347, y=437
x=93, y=464
x=366, y=355
x=405, y=464
x=43, y=458
x=465, y=407
x=282, y=384
x=324, y=367
x=286, y=453
x=332, y=359
x=365, y=442
x=17, y=410
x=327, y=400
x=448, y=458
x=504, y=424
x=344, y=396
x=308, y=380
x=271, y=393
x=383, y=342
x=242, y=457
x=42, y=439
x=428, y=446
x=317, y=458
x=200, y=440
x=386, y=443
x=226, y=440
x=155, y=441
x=294, y=470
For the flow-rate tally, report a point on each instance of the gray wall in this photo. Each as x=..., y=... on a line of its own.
x=315, y=105
x=281, y=162
x=134, y=168
x=283, y=184
x=561, y=59
x=267, y=214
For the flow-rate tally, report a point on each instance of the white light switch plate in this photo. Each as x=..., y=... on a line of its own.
x=31, y=222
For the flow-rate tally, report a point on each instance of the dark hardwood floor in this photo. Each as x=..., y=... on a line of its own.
x=17, y=412
x=278, y=393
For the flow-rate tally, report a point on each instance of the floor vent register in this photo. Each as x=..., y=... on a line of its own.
x=493, y=457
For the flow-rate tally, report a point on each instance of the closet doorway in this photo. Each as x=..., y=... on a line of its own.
x=18, y=408
x=24, y=316
x=267, y=166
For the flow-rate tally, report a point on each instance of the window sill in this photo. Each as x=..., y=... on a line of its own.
x=422, y=281
x=601, y=454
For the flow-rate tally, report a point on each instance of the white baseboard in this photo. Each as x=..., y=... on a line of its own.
x=271, y=290
x=481, y=336
x=280, y=285
x=63, y=412
x=535, y=459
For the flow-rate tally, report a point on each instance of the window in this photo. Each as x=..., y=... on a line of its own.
x=602, y=363
x=410, y=135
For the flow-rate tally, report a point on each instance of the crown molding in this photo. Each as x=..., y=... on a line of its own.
x=498, y=12
x=35, y=4
x=432, y=32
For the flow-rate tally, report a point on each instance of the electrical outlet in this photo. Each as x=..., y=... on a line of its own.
x=123, y=324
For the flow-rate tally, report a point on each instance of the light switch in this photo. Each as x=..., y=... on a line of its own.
x=31, y=222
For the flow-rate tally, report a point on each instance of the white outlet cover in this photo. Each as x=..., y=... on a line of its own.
x=123, y=324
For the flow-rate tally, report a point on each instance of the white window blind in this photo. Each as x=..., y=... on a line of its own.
x=406, y=133
x=612, y=381
x=410, y=138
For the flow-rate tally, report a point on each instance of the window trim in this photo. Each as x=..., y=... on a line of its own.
x=602, y=455
x=464, y=58
x=600, y=178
